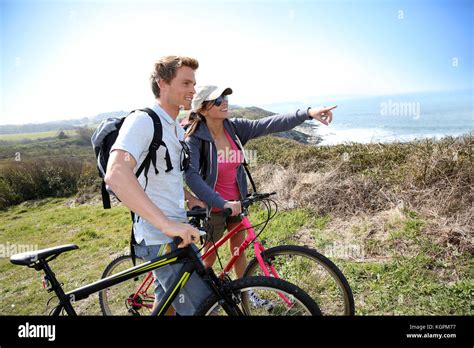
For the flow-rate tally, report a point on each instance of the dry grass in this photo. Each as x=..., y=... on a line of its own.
x=432, y=178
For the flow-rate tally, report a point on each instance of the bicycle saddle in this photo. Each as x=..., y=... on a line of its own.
x=30, y=257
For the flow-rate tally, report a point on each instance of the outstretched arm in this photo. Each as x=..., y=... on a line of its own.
x=249, y=129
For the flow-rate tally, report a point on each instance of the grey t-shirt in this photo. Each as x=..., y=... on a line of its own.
x=165, y=189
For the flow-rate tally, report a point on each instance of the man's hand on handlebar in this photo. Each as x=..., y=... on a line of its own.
x=185, y=233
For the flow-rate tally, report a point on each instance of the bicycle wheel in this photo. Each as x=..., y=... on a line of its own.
x=314, y=273
x=125, y=298
x=275, y=297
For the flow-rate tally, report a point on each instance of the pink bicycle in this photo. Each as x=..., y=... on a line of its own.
x=305, y=267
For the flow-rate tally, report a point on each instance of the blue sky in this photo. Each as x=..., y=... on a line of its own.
x=68, y=59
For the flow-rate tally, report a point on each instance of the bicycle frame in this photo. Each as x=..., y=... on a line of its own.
x=245, y=224
x=187, y=256
x=258, y=247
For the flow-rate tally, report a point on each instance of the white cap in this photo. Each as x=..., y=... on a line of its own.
x=205, y=93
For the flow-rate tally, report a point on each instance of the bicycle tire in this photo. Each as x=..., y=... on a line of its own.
x=327, y=286
x=113, y=301
x=267, y=288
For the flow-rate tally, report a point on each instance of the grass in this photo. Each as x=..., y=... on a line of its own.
x=35, y=136
x=100, y=234
x=422, y=282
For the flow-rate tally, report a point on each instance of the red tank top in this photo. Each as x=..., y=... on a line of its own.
x=227, y=164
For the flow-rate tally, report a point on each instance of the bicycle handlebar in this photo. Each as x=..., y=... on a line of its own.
x=255, y=197
x=198, y=213
x=178, y=239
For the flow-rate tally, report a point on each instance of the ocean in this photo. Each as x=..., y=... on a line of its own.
x=391, y=118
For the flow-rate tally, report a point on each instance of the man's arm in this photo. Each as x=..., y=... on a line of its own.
x=123, y=182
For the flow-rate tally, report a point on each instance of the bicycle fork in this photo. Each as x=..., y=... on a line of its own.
x=229, y=301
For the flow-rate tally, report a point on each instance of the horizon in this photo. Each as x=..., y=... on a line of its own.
x=274, y=107
x=88, y=58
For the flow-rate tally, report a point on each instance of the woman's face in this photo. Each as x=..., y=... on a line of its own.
x=218, y=109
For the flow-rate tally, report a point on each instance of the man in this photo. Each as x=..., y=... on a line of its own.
x=160, y=210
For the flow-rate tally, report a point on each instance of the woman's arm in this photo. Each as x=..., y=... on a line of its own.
x=249, y=129
x=192, y=201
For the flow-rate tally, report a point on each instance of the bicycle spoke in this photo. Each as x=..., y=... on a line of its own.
x=123, y=299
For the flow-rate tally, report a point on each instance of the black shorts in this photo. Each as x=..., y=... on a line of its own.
x=219, y=224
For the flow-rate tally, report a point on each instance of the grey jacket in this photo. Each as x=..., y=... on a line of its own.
x=241, y=130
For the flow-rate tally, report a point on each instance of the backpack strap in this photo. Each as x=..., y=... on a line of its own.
x=203, y=152
x=105, y=196
x=155, y=144
x=246, y=167
x=145, y=166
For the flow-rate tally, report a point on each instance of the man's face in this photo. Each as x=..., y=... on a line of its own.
x=179, y=92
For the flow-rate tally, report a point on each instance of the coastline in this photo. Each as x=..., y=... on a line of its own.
x=310, y=133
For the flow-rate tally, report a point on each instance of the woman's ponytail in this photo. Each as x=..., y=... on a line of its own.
x=193, y=120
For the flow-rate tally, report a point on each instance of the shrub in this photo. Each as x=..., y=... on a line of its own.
x=429, y=175
x=85, y=134
x=36, y=179
x=62, y=135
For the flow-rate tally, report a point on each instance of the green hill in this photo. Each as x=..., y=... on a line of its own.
x=251, y=112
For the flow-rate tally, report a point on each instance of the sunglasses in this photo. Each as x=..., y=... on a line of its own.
x=220, y=100
x=184, y=158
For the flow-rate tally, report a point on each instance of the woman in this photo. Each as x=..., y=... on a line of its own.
x=222, y=180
